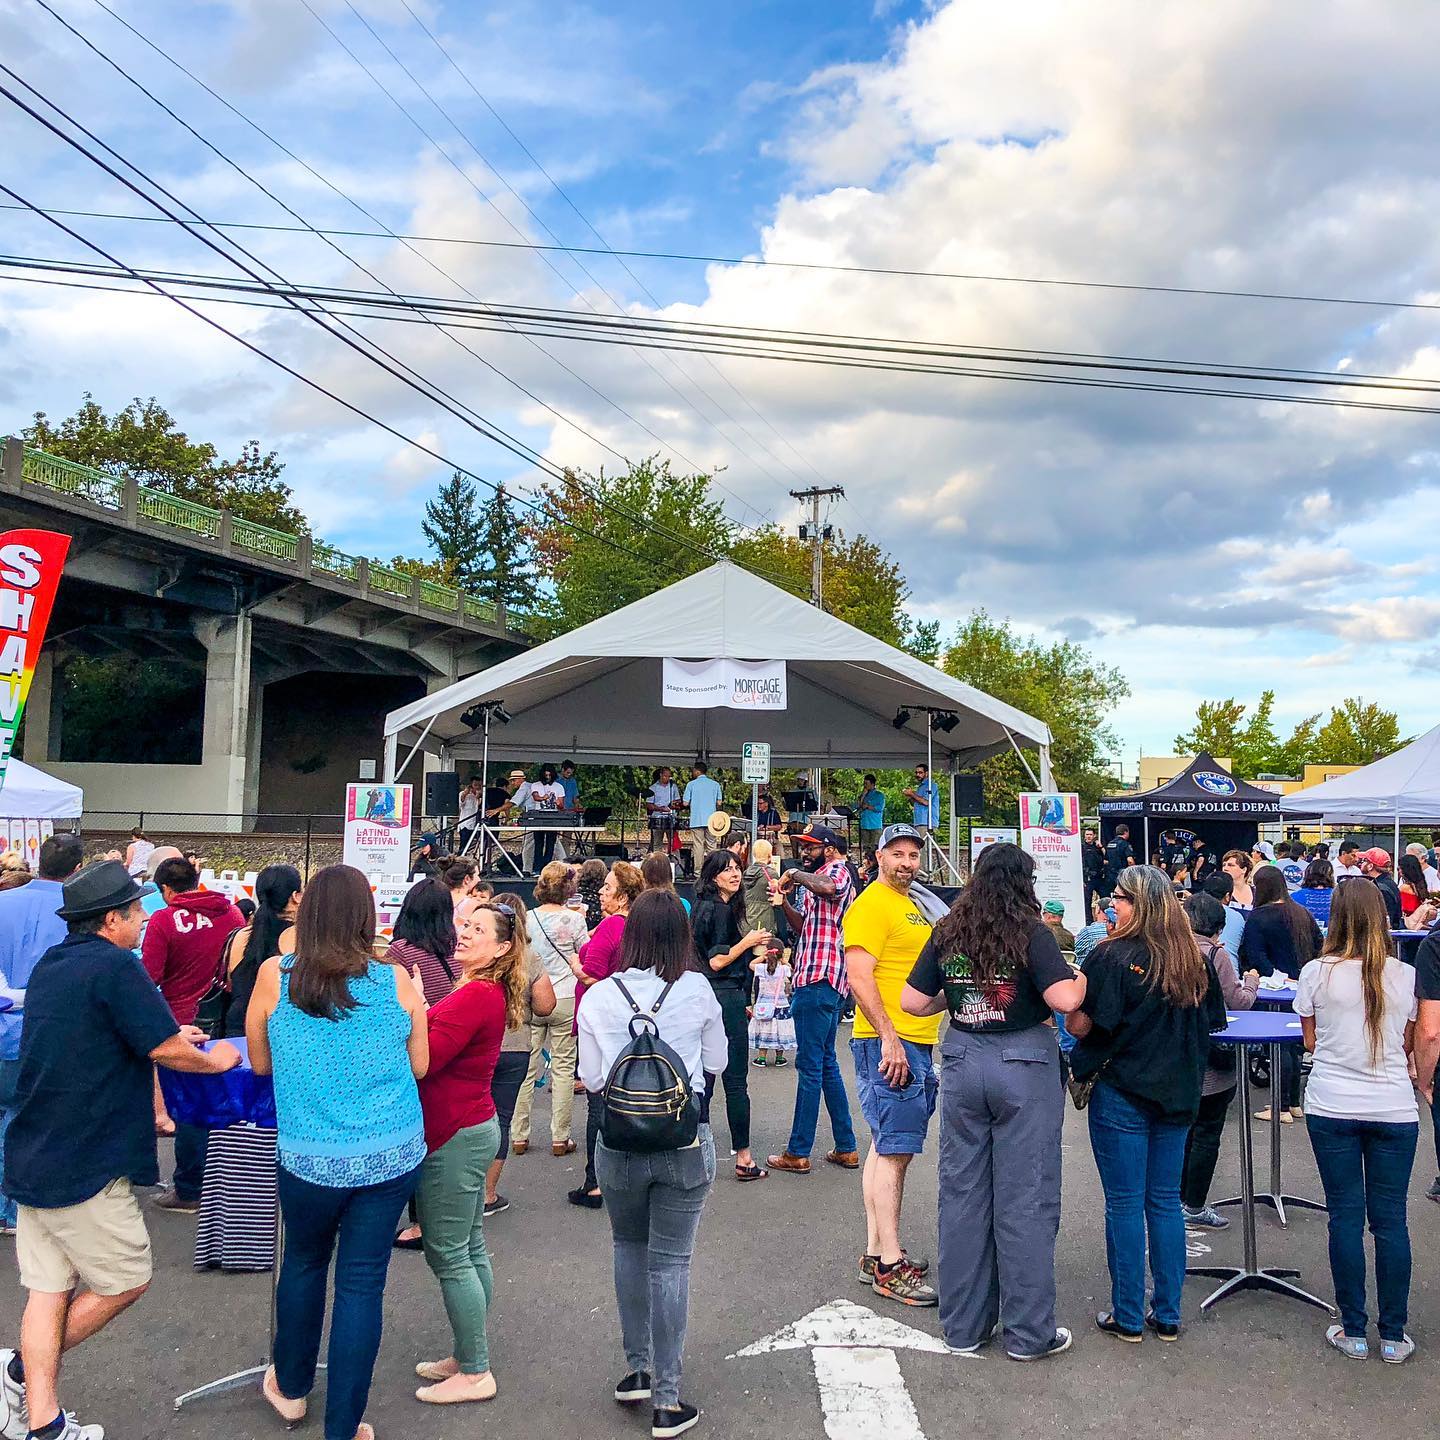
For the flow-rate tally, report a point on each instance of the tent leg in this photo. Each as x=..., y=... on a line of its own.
x=392, y=750
x=1395, y=855
x=1146, y=859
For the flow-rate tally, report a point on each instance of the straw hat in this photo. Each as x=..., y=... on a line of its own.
x=718, y=825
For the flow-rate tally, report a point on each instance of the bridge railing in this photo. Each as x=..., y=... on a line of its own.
x=136, y=502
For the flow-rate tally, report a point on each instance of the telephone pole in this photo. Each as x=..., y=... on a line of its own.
x=816, y=533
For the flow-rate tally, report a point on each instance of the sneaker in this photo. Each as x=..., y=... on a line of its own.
x=634, y=1388
x=1397, y=1352
x=496, y=1206
x=1107, y=1323
x=1433, y=1193
x=664, y=1424
x=869, y=1262
x=74, y=1430
x=1352, y=1347
x=171, y=1199
x=761, y=1061
x=14, y=1418
x=978, y=1346
x=905, y=1285
x=1206, y=1218
x=1163, y=1329
x=1058, y=1346
x=781, y=1062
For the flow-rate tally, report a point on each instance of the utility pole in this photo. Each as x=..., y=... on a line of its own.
x=816, y=533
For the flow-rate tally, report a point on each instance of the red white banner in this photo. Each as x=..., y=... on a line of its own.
x=30, y=566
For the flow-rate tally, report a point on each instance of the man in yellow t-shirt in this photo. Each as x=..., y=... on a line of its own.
x=885, y=931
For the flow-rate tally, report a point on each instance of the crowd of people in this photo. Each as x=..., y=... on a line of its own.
x=405, y=1075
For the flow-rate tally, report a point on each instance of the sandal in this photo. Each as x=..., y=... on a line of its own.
x=562, y=1147
x=519, y=1147
x=164, y=1126
x=292, y=1412
x=745, y=1173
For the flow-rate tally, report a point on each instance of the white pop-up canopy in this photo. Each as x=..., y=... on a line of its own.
x=595, y=694
x=1403, y=788
x=31, y=794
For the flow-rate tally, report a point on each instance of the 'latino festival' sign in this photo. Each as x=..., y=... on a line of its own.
x=30, y=566
x=1050, y=831
x=377, y=829
x=735, y=684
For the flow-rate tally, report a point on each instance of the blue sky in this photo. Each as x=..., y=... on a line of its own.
x=1206, y=547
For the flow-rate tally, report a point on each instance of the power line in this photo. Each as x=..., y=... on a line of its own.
x=387, y=232
x=419, y=383
x=900, y=367
x=754, y=262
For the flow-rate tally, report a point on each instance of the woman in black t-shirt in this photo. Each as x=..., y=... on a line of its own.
x=996, y=967
x=1144, y=1032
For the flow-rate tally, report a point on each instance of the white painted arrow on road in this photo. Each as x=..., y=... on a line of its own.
x=862, y=1392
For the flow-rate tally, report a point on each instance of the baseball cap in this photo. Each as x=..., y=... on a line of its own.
x=1053, y=907
x=1263, y=847
x=822, y=835
x=892, y=833
x=1379, y=858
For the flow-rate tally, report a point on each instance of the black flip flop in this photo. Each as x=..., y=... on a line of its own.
x=746, y=1173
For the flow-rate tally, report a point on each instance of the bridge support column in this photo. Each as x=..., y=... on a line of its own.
x=230, y=750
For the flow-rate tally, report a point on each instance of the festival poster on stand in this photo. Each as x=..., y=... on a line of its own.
x=1050, y=831
x=377, y=828
x=30, y=566
x=991, y=835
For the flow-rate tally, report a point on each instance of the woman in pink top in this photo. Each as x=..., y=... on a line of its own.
x=598, y=959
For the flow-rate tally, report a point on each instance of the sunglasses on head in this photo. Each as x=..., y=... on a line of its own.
x=506, y=910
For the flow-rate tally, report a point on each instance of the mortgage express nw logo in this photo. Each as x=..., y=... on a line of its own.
x=1215, y=782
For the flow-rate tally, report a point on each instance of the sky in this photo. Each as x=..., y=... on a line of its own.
x=1206, y=547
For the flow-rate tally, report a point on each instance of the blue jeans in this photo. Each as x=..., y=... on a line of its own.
x=1140, y=1161
x=815, y=1010
x=191, y=1142
x=898, y=1116
x=362, y=1220
x=9, y=1074
x=1365, y=1168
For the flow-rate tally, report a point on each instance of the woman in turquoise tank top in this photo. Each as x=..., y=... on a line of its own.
x=344, y=1036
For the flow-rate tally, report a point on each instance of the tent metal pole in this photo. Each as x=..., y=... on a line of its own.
x=1047, y=775
x=1034, y=779
x=392, y=747
x=405, y=764
x=1146, y=859
x=1395, y=856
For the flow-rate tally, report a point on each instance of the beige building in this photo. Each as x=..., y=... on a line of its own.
x=1156, y=770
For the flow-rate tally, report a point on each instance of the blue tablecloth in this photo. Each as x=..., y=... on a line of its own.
x=1259, y=1027
x=1276, y=999
x=216, y=1101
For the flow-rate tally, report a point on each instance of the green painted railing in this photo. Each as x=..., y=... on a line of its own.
x=158, y=508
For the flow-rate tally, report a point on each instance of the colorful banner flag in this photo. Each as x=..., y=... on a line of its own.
x=30, y=566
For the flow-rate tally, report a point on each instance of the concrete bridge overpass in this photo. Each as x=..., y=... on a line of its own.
x=300, y=648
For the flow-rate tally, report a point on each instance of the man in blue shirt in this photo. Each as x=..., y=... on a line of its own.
x=702, y=799
x=29, y=926
x=871, y=806
x=925, y=794
x=570, y=785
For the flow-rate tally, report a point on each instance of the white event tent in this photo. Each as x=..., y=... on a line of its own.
x=31, y=794
x=1403, y=788
x=595, y=695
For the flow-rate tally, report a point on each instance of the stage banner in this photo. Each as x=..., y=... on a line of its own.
x=991, y=835
x=1050, y=831
x=734, y=684
x=30, y=566
x=377, y=829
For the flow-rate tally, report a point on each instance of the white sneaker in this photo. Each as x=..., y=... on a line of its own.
x=14, y=1418
x=74, y=1430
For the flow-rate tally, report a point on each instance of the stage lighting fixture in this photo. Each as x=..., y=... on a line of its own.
x=901, y=720
x=473, y=718
x=946, y=721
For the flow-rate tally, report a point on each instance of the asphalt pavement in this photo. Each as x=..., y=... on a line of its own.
x=768, y=1254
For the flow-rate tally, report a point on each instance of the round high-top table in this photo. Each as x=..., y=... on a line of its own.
x=1274, y=1029
x=215, y=1102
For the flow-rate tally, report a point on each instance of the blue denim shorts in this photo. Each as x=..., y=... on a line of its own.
x=898, y=1119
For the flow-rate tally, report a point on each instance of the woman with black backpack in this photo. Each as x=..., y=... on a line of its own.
x=649, y=1034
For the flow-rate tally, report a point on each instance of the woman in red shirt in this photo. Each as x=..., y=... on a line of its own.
x=462, y=1135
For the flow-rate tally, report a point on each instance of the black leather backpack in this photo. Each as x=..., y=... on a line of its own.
x=648, y=1104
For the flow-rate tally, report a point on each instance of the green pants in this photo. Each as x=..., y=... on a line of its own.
x=452, y=1218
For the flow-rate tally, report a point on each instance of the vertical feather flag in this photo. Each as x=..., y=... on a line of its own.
x=30, y=566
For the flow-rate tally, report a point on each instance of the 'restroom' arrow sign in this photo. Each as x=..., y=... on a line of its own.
x=862, y=1392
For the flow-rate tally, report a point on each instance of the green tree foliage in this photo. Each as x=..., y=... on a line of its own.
x=453, y=526
x=144, y=443
x=506, y=574
x=438, y=572
x=1060, y=683
x=162, y=703
x=1356, y=733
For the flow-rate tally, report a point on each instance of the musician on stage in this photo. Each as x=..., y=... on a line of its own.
x=660, y=802
x=544, y=795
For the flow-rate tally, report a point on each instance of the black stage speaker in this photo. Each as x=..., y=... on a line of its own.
x=442, y=793
x=970, y=795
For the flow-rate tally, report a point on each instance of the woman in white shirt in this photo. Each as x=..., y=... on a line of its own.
x=1357, y=1011
x=655, y=1200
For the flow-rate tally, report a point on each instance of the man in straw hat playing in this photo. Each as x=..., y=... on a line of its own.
x=82, y=1135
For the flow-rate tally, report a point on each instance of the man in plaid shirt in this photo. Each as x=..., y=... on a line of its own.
x=824, y=889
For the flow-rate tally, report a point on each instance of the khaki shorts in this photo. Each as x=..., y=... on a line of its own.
x=101, y=1242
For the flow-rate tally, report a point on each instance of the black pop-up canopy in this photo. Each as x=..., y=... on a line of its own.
x=1203, y=799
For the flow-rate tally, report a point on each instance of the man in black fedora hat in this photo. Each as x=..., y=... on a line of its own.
x=83, y=1133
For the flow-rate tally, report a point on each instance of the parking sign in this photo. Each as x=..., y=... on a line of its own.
x=755, y=763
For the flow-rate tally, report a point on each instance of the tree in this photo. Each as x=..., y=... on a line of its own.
x=1357, y=732
x=1216, y=732
x=143, y=442
x=438, y=572
x=452, y=525
x=507, y=574
x=1061, y=684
